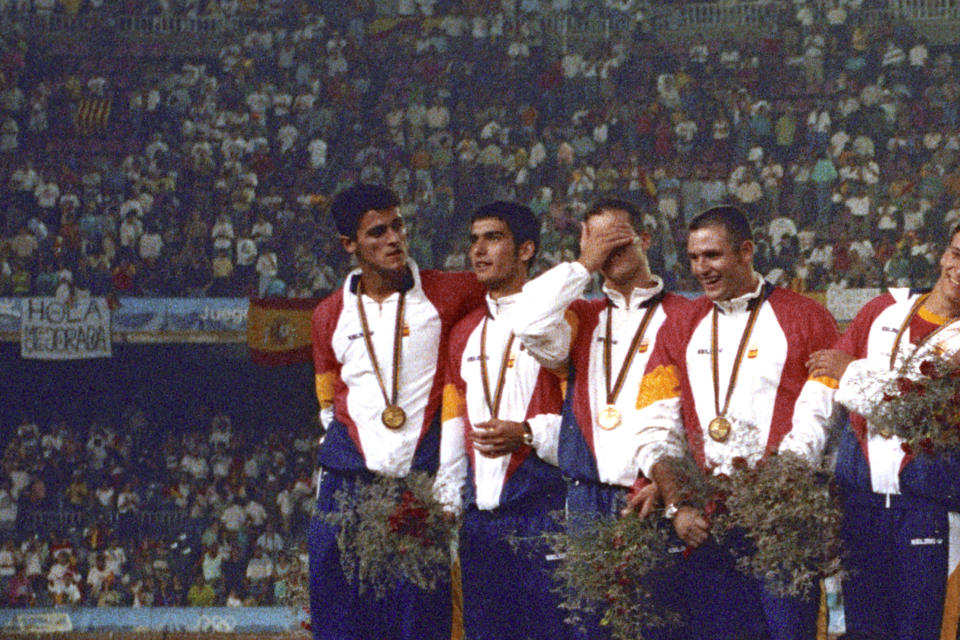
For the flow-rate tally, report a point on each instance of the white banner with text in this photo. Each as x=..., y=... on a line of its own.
x=55, y=330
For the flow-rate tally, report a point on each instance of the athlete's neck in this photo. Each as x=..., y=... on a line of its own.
x=641, y=280
x=380, y=285
x=507, y=289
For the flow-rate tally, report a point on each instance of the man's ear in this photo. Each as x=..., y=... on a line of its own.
x=645, y=240
x=349, y=245
x=747, y=250
x=526, y=251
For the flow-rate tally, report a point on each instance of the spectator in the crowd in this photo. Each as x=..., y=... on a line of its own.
x=211, y=566
x=8, y=564
x=99, y=578
x=8, y=506
x=19, y=592
x=259, y=574
x=234, y=572
x=200, y=594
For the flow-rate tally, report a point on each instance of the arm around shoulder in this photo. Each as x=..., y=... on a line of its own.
x=539, y=317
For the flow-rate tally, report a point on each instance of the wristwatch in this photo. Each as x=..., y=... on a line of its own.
x=671, y=511
x=527, y=434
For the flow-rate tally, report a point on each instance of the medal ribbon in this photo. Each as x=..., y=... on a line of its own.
x=903, y=329
x=628, y=360
x=715, y=360
x=493, y=405
x=397, y=337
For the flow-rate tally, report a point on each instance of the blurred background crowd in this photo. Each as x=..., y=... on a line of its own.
x=208, y=175
x=103, y=516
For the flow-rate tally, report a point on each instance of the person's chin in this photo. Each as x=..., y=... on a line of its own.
x=714, y=291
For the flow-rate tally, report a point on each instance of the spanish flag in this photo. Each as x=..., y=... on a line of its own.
x=278, y=330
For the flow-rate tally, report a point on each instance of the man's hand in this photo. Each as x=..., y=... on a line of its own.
x=595, y=246
x=497, y=437
x=691, y=526
x=642, y=501
x=949, y=346
x=829, y=363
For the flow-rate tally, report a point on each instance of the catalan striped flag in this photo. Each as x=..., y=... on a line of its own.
x=92, y=115
x=278, y=330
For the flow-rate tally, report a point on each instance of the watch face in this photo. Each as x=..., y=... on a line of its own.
x=527, y=435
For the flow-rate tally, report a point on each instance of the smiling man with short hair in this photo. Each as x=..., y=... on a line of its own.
x=901, y=511
x=729, y=380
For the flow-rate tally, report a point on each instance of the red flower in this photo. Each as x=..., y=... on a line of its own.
x=410, y=517
x=929, y=369
x=905, y=385
x=907, y=449
x=887, y=397
x=739, y=463
x=926, y=445
x=617, y=541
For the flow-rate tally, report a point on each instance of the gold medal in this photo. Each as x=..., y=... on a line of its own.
x=719, y=429
x=609, y=418
x=393, y=417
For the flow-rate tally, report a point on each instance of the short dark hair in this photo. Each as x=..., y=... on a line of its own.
x=520, y=219
x=634, y=212
x=728, y=216
x=350, y=204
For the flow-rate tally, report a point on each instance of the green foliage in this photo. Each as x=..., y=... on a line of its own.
x=784, y=509
x=392, y=530
x=606, y=567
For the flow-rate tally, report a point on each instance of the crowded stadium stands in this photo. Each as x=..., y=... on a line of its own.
x=180, y=176
x=99, y=517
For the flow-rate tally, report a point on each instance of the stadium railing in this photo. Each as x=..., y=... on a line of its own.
x=163, y=521
x=140, y=24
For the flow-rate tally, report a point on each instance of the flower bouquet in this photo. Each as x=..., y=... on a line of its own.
x=607, y=567
x=392, y=530
x=784, y=511
x=922, y=409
